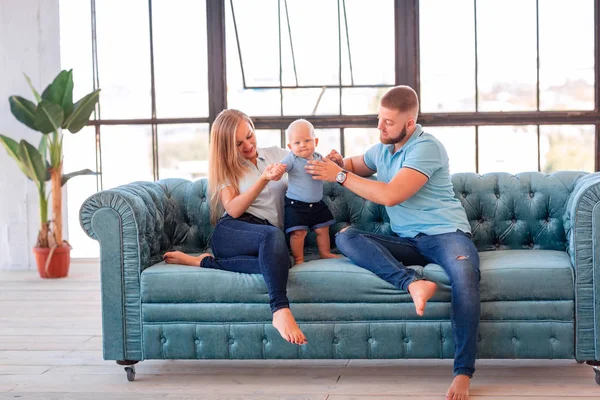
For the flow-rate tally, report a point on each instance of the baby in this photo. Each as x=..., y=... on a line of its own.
x=304, y=205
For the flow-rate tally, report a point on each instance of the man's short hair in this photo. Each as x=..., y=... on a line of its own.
x=401, y=98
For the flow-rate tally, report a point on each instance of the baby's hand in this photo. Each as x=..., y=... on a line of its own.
x=336, y=158
x=274, y=172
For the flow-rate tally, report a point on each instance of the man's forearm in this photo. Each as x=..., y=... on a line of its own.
x=374, y=191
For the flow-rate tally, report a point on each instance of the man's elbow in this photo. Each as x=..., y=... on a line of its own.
x=391, y=201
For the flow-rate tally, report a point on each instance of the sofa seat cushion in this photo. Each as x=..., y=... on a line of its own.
x=517, y=275
x=510, y=275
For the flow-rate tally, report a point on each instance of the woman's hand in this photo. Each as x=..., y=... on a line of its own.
x=273, y=172
x=323, y=170
x=336, y=158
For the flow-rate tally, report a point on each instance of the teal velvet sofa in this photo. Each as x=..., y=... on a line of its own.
x=539, y=242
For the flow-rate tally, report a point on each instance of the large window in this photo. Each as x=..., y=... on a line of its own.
x=521, y=90
x=500, y=84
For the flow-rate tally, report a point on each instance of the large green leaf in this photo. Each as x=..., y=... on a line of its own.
x=23, y=110
x=81, y=112
x=12, y=148
x=68, y=176
x=43, y=147
x=60, y=92
x=32, y=159
x=48, y=117
x=35, y=93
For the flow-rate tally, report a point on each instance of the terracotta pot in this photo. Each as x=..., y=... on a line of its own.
x=59, y=263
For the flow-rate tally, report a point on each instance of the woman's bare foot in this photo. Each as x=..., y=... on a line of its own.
x=330, y=255
x=177, y=257
x=421, y=291
x=459, y=390
x=284, y=322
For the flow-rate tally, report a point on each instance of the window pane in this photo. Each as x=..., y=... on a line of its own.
x=80, y=153
x=126, y=154
x=507, y=149
x=358, y=140
x=268, y=138
x=371, y=35
x=448, y=59
x=254, y=102
x=328, y=139
x=311, y=102
x=183, y=151
x=566, y=55
x=257, y=31
x=180, y=64
x=362, y=101
x=459, y=142
x=76, y=46
x=506, y=47
x=315, y=41
x=567, y=147
x=124, y=58
x=261, y=38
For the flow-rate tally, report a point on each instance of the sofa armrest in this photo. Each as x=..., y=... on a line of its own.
x=128, y=222
x=582, y=225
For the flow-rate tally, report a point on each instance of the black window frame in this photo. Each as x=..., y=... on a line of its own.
x=406, y=20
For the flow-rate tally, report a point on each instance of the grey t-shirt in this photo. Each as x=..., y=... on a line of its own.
x=301, y=185
x=269, y=203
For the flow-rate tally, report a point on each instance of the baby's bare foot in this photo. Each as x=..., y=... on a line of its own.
x=177, y=257
x=421, y=291
x=298, y=261
x=330, y=255
x=459, y=390
x=284, y=322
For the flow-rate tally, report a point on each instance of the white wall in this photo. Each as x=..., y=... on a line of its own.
x=29, y=43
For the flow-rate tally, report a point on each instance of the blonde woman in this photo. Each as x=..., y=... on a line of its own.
x=246, y=199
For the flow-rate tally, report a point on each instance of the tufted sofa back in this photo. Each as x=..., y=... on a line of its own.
x=523, y=211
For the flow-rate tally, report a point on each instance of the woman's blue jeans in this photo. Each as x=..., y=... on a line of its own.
x=455, y=252
x=240, y=246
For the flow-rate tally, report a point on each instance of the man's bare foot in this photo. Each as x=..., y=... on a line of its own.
x=459, y=390
x=177, y=257
x=284, y=322
x=421, y=291
x=330, y=255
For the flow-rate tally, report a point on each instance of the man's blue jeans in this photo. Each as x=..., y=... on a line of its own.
x=250, y=248
x=455, y=252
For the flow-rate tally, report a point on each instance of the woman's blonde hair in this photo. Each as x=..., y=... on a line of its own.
x=226, y=164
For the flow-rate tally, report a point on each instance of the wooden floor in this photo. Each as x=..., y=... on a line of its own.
x=50, y=348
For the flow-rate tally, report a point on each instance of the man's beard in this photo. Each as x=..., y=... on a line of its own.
x=390, y=140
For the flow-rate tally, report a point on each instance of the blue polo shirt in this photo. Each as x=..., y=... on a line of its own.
x=301, y=185
x=433, y=210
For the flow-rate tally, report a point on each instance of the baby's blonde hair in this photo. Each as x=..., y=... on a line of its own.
x=295, y=124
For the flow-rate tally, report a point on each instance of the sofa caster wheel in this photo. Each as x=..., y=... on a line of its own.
x=129, y=368
x=131, y=373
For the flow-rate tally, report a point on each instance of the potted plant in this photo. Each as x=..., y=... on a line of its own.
x=53, y=113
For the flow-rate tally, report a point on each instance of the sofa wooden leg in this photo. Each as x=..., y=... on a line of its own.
x=129, y=369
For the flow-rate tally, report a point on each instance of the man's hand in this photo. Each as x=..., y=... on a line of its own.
x=336, y=158
x=323, y=170
x=273, y=172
